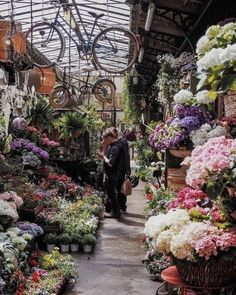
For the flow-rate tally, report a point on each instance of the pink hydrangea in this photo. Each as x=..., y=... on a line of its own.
x=212, y=158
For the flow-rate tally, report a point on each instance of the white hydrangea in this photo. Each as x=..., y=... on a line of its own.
x=183, y=96
x=217, y=131
x=228, y=53
x=203, y=97
x=174, y=218
x=213, y=31
x=210, y=59
x=162, y=242
x=183, y=243
x=228, y=27
x=202, y=45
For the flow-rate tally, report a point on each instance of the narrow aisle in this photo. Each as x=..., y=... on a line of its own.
x=116, y=267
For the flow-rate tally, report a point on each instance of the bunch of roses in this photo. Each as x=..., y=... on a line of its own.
x=211, y=161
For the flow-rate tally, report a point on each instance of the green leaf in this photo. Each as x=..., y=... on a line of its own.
x=212, y=95
x=228, y=82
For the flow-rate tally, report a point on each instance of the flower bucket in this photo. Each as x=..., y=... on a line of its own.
x=65, y=248
x=74, y=248
x=87, y=248
x=229, y=100
x=50, y=247
x=214, y=272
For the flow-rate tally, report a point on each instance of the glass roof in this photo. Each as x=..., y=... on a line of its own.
x=116, y=12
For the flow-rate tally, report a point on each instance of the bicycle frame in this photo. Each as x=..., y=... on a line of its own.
x=83, y=45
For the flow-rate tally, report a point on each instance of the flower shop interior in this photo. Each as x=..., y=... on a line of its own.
x=163, y=72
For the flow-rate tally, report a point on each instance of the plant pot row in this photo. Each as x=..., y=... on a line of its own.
x=71, y=248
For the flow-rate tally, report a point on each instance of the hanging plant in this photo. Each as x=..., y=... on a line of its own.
x=41, y=116
x=71, y=125
x=131, y=100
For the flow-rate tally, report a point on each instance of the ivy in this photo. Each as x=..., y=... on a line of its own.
x=131, y=100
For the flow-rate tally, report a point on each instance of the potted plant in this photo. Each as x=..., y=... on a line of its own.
x=76, y=240
x=89, y=240
x=64, y=241
x=70, y=125
x=50, y=240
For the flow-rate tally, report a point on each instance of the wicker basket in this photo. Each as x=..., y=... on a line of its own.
x=215, y=272
x=229, y=100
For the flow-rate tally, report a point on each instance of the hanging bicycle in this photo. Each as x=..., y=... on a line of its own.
x=68, y=94
x=113, y=50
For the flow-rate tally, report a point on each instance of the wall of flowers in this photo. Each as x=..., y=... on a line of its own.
x=192, y=226
x=44, y=214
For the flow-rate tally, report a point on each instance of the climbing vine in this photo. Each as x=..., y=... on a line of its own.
x=132, y=100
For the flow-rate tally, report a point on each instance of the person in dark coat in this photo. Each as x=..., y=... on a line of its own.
x=111, y=157
x=124, y=170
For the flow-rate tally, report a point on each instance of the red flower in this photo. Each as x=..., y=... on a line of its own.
x=149, y=196
x=35, y=277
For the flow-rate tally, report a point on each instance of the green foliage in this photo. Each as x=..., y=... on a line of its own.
x=70, y=123
x=89, y=239
x=131, y=98
x=63, y=238
x=50, y=238
x=91, y=119
x=42, y=116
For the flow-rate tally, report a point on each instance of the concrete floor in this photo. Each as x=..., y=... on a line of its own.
x=115, y=267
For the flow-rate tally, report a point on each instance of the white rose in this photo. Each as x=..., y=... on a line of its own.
x=203, y=98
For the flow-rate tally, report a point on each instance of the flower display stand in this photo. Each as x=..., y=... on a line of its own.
x=29, y=213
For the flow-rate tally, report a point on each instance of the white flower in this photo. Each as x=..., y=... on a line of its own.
x=217, y=131
x=228, y=27
x=228, y=53
x=213, y=31
x=203, y=97
x=183, y=96
x=202, y=45
x=210, y=59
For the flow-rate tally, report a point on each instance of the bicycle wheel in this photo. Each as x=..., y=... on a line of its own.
x=45, y=44
x=59, y=97
x=104, y=90
x=115, y=50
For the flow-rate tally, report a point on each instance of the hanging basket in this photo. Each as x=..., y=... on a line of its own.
x=180, y=153
x=229, y=102
x=215, y=272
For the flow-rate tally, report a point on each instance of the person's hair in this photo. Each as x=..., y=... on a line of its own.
x=115, y=131
x=108, y=133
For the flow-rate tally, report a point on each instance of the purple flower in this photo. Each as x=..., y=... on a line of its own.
x=190, y=123
x=21, y=143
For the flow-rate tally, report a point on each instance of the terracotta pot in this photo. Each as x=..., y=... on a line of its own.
x=3, y=49
x=19, y=42
x=229, y=100
x=48, y=80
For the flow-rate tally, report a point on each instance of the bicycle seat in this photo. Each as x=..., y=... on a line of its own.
x=93, y=14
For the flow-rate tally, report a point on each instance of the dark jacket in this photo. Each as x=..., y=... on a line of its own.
x=124, y=163
x=113, y=153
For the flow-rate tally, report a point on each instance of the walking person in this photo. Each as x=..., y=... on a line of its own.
x=124, y=170
x=111, y=157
